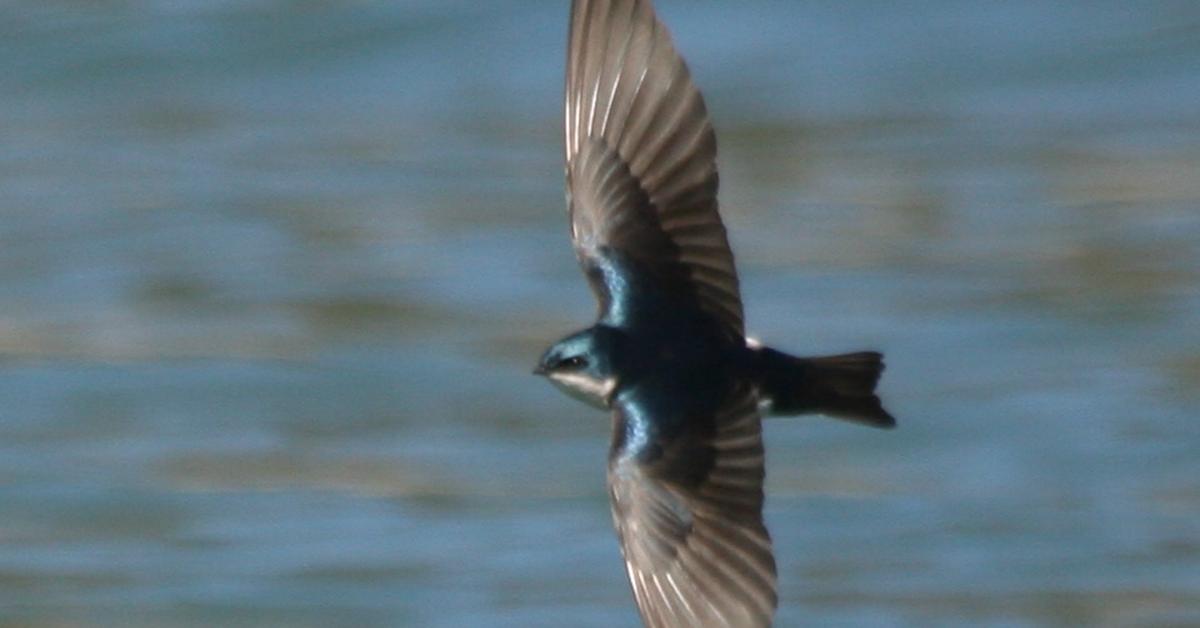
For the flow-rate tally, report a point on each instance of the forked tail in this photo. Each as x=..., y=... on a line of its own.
x=840, y=386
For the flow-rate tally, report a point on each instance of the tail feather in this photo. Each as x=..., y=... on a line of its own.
x=840, y=386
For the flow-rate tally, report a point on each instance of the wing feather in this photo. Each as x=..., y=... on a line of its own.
x=631, y=106
x=689, y=518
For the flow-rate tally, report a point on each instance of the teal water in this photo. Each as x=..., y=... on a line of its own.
x=273, y=275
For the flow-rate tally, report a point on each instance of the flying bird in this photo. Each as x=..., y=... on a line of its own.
x=668, y=354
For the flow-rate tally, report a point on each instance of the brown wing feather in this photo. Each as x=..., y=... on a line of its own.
x=631, y=106
x=690, y=524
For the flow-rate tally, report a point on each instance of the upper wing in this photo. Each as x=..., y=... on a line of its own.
x=688, y=512
x=641, y=162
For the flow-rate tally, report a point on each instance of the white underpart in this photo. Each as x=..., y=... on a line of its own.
x=585, y=387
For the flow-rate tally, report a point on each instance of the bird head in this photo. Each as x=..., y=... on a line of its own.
x=581, y=366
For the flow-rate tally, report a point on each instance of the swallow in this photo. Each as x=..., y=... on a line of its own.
x=668, y=355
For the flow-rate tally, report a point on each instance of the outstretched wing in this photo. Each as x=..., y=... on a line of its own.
x=688, y=510
x=641, y=164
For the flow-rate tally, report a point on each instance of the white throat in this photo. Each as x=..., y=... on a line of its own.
x=592, y=391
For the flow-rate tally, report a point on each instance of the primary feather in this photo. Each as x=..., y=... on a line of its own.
x=641, y=160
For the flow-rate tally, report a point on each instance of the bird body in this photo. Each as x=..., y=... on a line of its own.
x=668, y=355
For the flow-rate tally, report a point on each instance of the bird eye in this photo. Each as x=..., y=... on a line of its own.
x=573, y=362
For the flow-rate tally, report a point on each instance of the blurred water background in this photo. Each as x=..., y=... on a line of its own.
x=273, y=275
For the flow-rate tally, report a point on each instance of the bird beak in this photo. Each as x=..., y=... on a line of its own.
x=539, y=370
